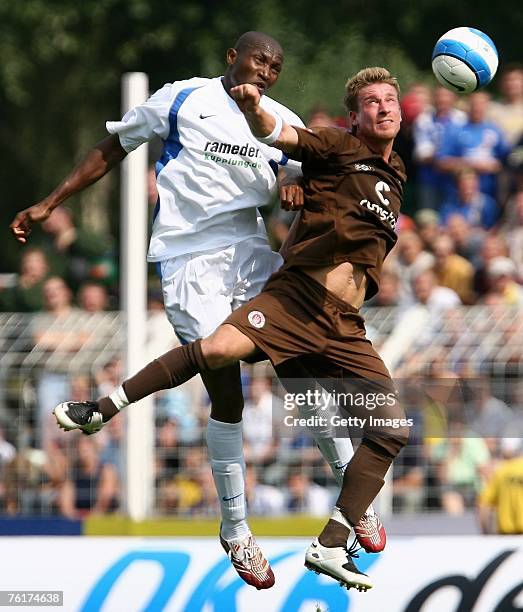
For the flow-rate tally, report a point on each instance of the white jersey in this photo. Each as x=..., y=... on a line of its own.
x=213, y=173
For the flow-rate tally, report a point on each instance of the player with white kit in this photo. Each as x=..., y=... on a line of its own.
x=211, y=247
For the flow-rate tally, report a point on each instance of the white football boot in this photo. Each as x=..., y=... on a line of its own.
x=338, y=564
x=84, y=416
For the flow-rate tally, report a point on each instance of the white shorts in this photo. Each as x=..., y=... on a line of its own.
x=200, y=290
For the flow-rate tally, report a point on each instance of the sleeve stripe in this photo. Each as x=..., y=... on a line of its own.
x=172, y=145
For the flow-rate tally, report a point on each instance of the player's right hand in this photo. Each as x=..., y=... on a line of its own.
x=22, y=223
x=291, y=196
x=247, y=97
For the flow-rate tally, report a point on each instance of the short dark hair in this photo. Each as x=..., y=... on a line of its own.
x=256, y=39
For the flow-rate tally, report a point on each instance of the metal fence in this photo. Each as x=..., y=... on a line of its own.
x=460, y=373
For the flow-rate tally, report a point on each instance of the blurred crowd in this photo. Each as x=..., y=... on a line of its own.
x=462, y=434
x=75, y=475
x=460, y=242
x=462, y=216
x=460, y=235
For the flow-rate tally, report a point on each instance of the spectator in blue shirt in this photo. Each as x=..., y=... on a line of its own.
x=478, y=145
x=429, y=129
x=479, y=209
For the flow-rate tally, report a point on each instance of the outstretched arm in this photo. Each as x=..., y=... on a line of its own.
x=97, y=162
x=261, y=122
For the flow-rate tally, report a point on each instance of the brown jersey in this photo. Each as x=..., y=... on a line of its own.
x=352, y=202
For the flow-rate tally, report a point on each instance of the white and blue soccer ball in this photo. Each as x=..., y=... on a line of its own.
x=464, y=60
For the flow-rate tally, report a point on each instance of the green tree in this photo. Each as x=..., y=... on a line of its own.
x=62, y=62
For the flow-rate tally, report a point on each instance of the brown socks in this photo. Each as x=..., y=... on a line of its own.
x=363, y=479
x=334, y=534
x=170, y=370
x=107, y=408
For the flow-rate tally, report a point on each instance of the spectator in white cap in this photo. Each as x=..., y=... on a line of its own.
x=428, y=292
x=501, y=273
x=427, y=223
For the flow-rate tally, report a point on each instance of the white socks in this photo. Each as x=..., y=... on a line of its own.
x=225, y=446
x=337, y=452
x=119, y=398
x=338, y=516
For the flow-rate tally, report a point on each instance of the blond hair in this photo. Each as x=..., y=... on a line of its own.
x=365, y=77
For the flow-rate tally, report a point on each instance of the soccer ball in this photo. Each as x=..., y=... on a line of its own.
x=464, y=60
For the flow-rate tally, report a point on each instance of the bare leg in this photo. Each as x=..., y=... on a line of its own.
x=226, y=346
x=225, y=392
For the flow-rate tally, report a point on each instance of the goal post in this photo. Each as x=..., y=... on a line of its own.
x=139, y=439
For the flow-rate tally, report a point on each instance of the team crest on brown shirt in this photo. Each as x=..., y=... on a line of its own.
x=256, y=318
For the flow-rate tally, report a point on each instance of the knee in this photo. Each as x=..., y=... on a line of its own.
x=390, y=442
x=391, y=434
x=226, y=346
x=400, y=430
x=216, y=352
x=400, y=439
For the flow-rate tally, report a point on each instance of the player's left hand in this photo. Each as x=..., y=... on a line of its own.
x=291, y=196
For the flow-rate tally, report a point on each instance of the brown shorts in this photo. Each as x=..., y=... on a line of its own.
x=296, y=318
